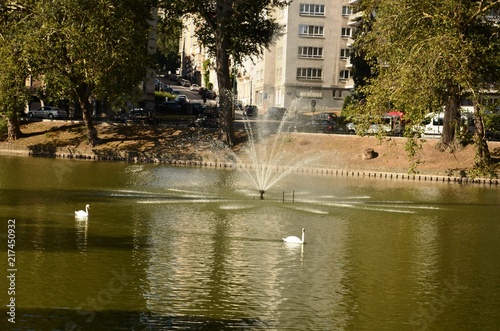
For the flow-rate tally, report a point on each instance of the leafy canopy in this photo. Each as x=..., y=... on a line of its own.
x=104, y=49
x=249, y=26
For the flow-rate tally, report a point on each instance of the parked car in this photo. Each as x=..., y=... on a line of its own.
x=168, y=107
x=197, y=108
x=181, y=98
x=48, y=112
x=138, y=115
x=143, y=116
x=433, y=123
x=207, y=120
x=275, y=113
x=391, y=125
x=326, y=116
x=211, y=95
x=250, y=110
x=184, y=82
x=202, y=90
x=238, y=105
x=320, y=126
x=492, y=134
x=194, y=87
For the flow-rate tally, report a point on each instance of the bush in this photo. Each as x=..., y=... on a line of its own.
x=3, y=126
x=492, y=122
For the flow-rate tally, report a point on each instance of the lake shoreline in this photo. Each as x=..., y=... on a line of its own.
x=339, y=155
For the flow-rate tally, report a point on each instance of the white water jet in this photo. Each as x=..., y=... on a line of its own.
x=264, y=149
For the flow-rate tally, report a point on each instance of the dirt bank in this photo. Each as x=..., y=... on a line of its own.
x=141, y=143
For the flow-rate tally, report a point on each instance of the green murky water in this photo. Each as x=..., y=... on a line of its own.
x=168, y=248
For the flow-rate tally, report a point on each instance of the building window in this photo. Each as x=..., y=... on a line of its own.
x=346, y=10
x=311, y=52
x=279, y=52
x=278, y=97
x=346, y=32
x=307, y=9
x=344, y=53
x=309, y=73
x=344, y=74
x=310, y=31
x=259, y=75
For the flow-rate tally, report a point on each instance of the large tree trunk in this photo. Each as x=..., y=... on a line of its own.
x=13, y=129
x=225, y=92
x=83, y=99
x=483, y=158
x=451, y=125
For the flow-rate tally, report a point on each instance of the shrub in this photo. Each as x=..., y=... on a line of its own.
x=3, y=126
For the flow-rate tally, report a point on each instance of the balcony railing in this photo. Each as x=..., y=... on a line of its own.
x=354, y=19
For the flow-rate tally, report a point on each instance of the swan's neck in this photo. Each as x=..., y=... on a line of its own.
x=303, y=234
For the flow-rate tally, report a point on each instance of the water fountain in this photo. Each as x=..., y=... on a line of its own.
x=268, y=162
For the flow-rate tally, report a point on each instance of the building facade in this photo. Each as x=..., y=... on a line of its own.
x=309, y=62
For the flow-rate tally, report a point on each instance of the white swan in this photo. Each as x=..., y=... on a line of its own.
x=294, y=239
x=83, y=213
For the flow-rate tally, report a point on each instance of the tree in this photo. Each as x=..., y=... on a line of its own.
x=230, y=29
x=362, y=66
x=430, y=54
x=168, y=33
x=100, y=53
x=14, y=69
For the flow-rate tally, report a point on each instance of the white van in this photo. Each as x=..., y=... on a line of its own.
x=391, y=124
x=432, y=125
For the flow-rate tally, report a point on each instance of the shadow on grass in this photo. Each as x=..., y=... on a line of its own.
x=55, y=129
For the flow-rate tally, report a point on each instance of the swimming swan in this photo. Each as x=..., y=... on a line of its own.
x=81, y=213
x=294, y=239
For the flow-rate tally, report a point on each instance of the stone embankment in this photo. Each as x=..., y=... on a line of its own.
x=193, y=160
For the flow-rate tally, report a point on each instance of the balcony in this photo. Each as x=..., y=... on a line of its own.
x=349, y=85
x=354, y=19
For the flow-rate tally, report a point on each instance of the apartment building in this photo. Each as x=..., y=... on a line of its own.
x=192, y=55
x=310, y=61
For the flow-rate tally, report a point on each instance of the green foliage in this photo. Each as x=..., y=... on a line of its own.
x=363, y=67
x=168, y=34
x=162, y=96
x=3, y=126
x=206, y=73
x=103, y=50
x=412, y=148
x=249, y=26
x=425, y=53
x=492, y=122
x=234, y=30
x=14, y=67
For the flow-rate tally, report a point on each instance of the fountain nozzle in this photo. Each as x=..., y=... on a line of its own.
x=262, y=194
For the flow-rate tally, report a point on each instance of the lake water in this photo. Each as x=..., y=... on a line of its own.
x=179, y=248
